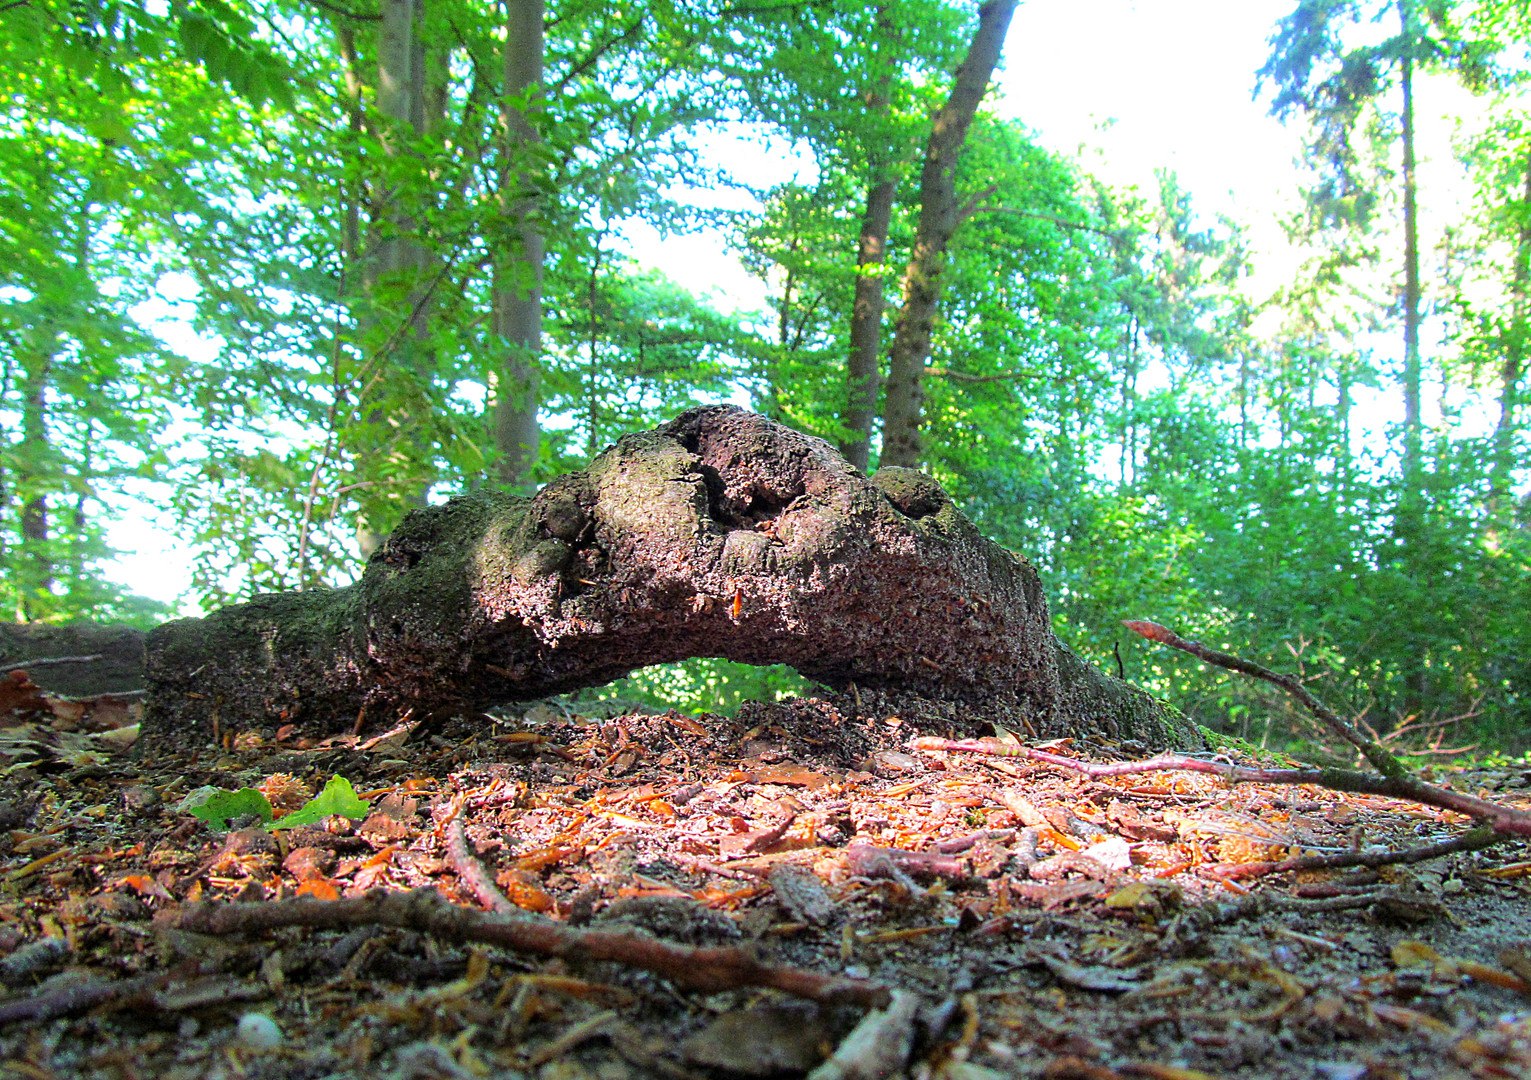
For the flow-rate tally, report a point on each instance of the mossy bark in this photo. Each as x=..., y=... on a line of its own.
x=107, y=660
x=720, y=534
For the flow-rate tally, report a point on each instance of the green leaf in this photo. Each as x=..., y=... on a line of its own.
x=338, y=797
x=217, y=808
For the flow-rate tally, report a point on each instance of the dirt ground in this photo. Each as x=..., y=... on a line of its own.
x=1027, y=922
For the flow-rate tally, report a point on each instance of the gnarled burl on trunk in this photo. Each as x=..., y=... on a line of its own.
x=721, y=534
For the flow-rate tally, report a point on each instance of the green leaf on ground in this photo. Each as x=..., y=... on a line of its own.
x=338, y=797
x=217, y=808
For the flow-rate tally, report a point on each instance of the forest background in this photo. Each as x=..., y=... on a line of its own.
x=409, y=235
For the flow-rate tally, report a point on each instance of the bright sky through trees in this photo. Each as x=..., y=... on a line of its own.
x=1128, y=87
x=1278, y=405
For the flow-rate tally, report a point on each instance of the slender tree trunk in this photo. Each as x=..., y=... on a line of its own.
x=79, y=516
x=1511, y=371
x=37, y=572
x=592, y=402
x=1343, y=408
x=398, y=86
x=903, y=405
x=1129, y=399
x=1412, y=423
x=517, y=318
x=395, y=258
x=350, y=235
x=1244, y=398
x=1410, y=516
x=861, y=370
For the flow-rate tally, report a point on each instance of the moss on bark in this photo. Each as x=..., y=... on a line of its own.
x=720, y=534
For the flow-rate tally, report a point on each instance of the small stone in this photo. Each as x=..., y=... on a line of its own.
x=197, y=798
x=140, y=797
x=801, y=893
x=259, y=1032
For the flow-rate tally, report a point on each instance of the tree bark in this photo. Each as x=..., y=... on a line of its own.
x=517, y=318
x=721, y=533
x=1513, y=367
x=861, y=374
x=903, y=406
x=35, y=566
x=394, y=270
x=861, y=370
x=1409, y=520
x=1413, y=426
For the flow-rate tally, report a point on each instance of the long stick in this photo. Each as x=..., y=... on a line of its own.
x=1384, y=762
x=425, y=910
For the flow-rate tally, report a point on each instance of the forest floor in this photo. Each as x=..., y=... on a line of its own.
x=1030, y=923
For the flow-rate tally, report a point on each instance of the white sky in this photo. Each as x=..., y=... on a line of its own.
x=1157, y=84
x=1128, y=86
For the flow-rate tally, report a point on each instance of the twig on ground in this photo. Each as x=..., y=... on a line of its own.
x=78, y=997
x=1373, y=751
x=424, y=910
x=45, y=661
x=471, y=872
x=1475, y=840
x=41, y=1008
x=868, y=860
x=958, y=844
x=1503, y=819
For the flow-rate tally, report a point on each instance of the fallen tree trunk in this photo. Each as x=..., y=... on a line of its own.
x=718, y=534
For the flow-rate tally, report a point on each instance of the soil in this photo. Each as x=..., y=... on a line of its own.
x=1030, y=923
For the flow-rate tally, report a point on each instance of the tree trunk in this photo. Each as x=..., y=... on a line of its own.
x=394, y=268
x=861, y=374
x=35, y=565
x=1413, y=427
x=350, y=233
x=861, y=370
x=1409, y=521
x=721, y=533
x=517, y=318
x=901, y=441
x=1513, y=368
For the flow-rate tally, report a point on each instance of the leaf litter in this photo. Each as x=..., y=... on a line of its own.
x=794, y=891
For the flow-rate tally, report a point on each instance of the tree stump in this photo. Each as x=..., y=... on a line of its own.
x=720, y=534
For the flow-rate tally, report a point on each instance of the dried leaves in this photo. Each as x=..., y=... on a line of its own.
x=642, y=907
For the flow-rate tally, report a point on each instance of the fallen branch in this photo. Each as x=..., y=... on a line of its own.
x=1373, y=751
x=1503, y=822
x=424, y=910
x=105, y=994
x=1502, y=819
x=1475, y=840
x=1396, y=780
x=45, y=661
x=471, y=872
x=719, y=534
x=1499, y=822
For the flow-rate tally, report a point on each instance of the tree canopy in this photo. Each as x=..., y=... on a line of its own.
x=403, y=232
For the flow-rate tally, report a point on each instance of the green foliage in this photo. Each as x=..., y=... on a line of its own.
x=218, y=808
x=703, y=685
x=1104, y=393
x=337, y=798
